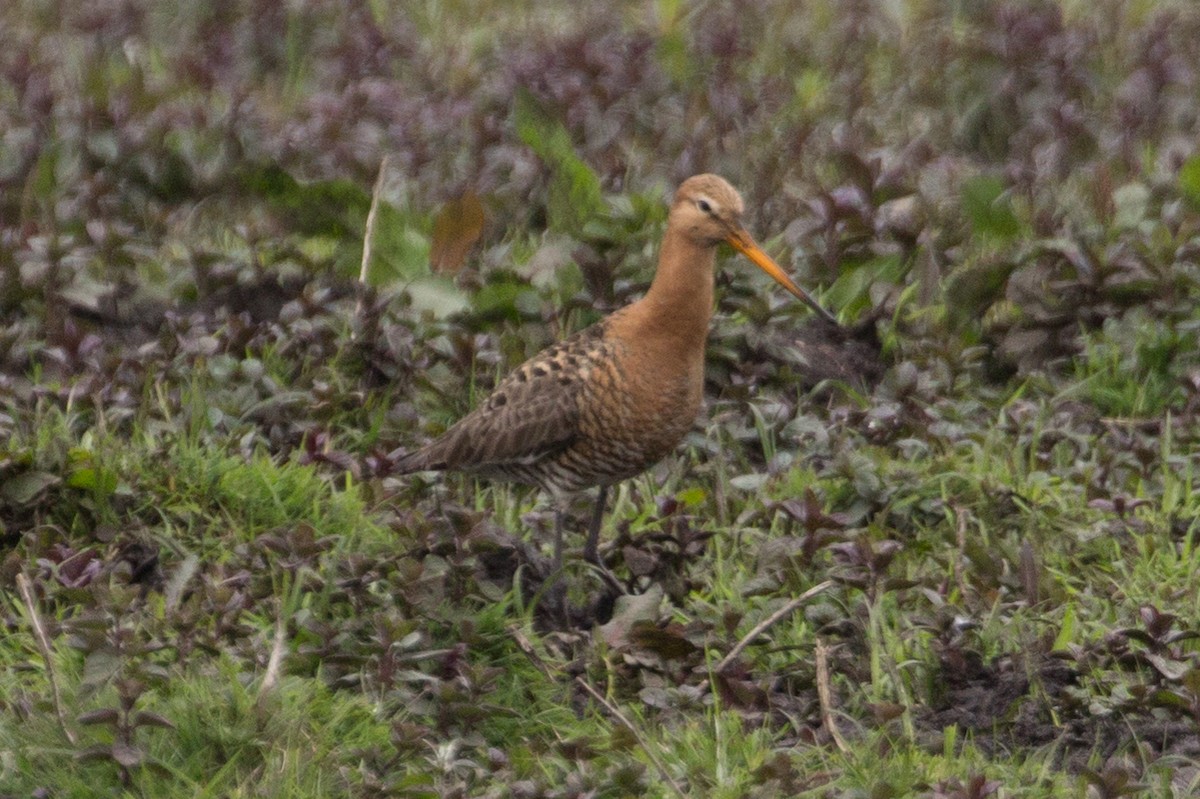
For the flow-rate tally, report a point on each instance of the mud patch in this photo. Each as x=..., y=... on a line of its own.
x=847, y=354
x=1021, y=702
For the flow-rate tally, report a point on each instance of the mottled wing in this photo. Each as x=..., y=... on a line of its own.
x=533, y=414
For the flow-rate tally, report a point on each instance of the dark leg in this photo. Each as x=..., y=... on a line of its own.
x=591, y=550
x=557, y=597
x=558, y=539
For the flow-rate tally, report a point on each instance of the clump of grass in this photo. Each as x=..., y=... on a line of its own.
x=216, y=736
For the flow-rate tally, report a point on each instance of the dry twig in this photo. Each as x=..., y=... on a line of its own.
x=43, y=640
x=771, y=621
x=369, y=237
x=824, y=696
x=275, y=662
x=960, y=517
x=369, y=233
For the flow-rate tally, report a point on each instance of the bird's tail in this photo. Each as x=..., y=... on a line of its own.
x=408, y=462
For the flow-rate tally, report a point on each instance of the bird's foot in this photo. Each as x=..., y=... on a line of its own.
x=606, y=576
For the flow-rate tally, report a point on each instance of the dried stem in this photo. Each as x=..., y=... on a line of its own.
x=43, y=640
x=275, y=662
x=771, y=621
x=368, y=238
x=369, y=233
x=824, y=696
x=616, y=713
x=960, y=532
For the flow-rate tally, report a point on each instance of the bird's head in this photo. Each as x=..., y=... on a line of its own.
x=707, y=210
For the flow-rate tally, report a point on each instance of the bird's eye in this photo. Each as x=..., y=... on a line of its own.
x=704, y=206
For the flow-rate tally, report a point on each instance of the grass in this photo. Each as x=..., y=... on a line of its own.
x=302, y=732
x=224, y=741
x=310, y=735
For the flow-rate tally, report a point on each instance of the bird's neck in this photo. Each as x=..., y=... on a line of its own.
x=678, y=306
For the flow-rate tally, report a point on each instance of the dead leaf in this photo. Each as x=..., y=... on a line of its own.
x=667, y=642
x=455, y=230
x=630, y=610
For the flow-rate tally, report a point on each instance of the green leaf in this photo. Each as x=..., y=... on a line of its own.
x=99, y=667
x=26, y=488
x=94, y=753
x=674, y=54
x=575, y=195
x=400, y=250
x=1066, y=632
x=438, y=296
x=1168, y=699
x=179, y=580
x=1171, y=669
x=503, y=300
x=851, y=292
x=94, y=478
x=104, y=715
x=1189, y=180
x=145, y=718
x=975, y=286
x=43, y=180
x=127, y=755
x=811, y=90
x=1191, y=681
x=1131, y=203
x=749, y=482
x=989, y=209
x=335, y=208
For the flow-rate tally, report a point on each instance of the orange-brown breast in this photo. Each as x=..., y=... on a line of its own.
x=636, y=405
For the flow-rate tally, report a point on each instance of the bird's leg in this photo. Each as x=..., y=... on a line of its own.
x=558, y=591
x=558, y=540
x=591, y=549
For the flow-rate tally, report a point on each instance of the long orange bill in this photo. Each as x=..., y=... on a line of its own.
x=745, y=244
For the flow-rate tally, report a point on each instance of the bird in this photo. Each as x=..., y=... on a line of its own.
x=613, y=399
